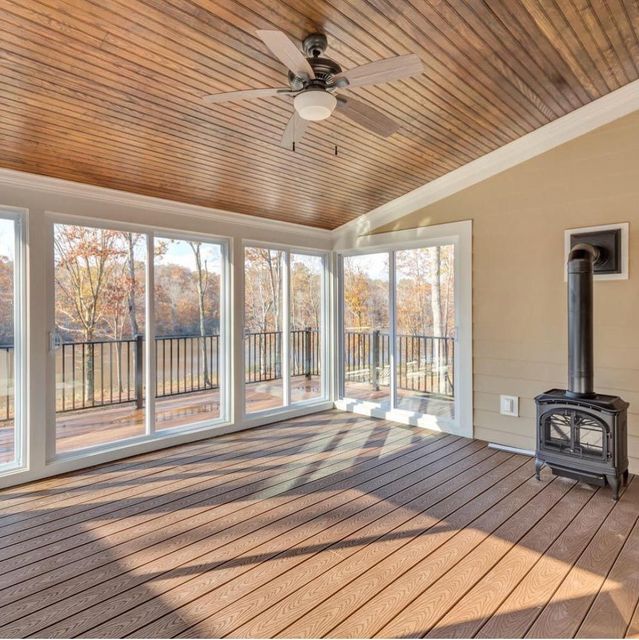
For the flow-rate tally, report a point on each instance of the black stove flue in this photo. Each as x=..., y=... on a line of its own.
x=582, y=434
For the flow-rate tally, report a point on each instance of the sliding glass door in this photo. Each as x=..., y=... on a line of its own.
x=138, y=339
x=11, y=341
x=284, y=328
x=399, y=342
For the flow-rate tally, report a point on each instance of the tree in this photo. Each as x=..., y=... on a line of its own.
x=6, y=300
x=306, y=300
x=263, y=289
x=86, y=262
x=202, y=285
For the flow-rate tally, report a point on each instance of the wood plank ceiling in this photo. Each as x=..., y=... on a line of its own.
x=108, y=92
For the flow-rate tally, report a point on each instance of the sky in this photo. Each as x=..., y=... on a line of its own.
x=179, y=252
x=6, y=238
x=374, y=265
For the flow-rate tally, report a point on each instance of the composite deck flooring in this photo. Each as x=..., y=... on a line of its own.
x=330, y=525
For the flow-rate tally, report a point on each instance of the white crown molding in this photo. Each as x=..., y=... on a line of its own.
x=602, y=111
x=20, y=179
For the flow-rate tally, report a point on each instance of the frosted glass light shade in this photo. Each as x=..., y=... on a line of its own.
x=314, y=104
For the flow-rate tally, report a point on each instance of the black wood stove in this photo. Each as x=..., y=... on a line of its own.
x=582, y=434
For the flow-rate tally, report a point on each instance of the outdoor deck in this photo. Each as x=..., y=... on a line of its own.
x=100, y=425
x=327, y=525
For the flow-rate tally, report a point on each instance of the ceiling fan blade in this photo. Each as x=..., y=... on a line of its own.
x=367, y=117
x=247, y=94
x=283, y=48
x=294, y=131
x=383, y=71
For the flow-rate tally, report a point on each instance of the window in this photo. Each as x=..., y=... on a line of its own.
x=11, y=428
x=284, y=295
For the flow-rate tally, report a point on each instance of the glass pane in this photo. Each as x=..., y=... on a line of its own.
x=425, y=319
x=263, y=298
x=366, y=328
x=99, y=319
x=7, y=344
x=307, y=274
x=188, y=280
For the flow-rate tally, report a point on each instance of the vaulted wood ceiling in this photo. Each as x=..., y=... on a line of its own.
x=108, y=92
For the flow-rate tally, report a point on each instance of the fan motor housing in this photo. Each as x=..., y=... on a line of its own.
x=324, y=69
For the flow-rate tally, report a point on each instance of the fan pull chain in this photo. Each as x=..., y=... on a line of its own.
x=293, y=146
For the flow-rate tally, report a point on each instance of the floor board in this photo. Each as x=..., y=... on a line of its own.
x=331, y=525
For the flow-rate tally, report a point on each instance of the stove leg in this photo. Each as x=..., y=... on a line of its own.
x=613, y=481
x=539, y=465
x=626, y=476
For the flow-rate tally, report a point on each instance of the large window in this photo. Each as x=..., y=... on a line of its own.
x=10, y=343
x=131, y=359
x=284, y=344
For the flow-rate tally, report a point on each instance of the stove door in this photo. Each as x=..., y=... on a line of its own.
x=574, y=432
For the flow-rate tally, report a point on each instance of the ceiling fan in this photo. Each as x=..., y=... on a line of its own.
x=313, y=83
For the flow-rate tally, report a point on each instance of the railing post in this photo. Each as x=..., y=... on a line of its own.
x=308, y=352
x=139, y=378
x=374, y=359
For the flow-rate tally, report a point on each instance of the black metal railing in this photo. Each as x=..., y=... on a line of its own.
x=7, y=377
x=425, y=364
x=111, y=372
x=262, y=354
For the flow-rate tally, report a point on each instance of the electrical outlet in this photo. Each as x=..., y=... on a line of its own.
x=509, y=406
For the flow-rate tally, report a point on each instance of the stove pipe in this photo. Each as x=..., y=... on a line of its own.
x=581, y=259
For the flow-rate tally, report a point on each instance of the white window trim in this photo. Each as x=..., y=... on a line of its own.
x=460, y=235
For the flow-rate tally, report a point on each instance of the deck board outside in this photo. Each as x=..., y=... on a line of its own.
x=326, y=525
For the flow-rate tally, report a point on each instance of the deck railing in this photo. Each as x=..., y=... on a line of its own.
x=425, y=364
x=110, y=372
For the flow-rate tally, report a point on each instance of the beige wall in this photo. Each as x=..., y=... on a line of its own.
x=519, y=307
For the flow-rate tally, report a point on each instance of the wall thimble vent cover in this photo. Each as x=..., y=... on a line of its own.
x=612, y=242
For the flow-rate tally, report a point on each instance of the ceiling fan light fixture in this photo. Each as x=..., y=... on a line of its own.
x=315, y=104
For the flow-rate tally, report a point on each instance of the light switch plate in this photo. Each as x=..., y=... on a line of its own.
x=509, y=406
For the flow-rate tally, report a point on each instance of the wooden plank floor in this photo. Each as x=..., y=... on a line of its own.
x=328, y=525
